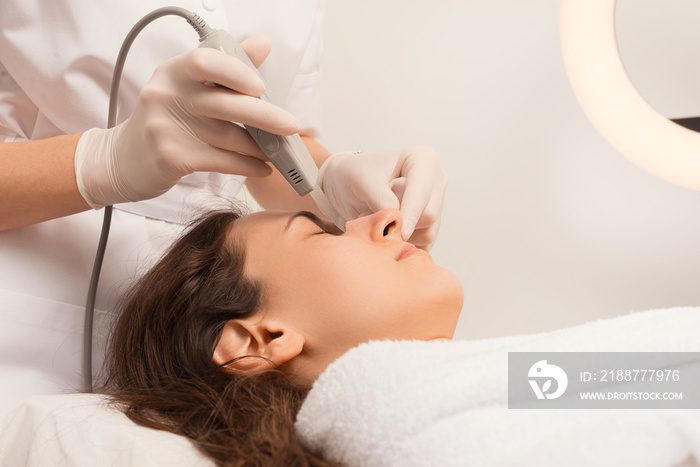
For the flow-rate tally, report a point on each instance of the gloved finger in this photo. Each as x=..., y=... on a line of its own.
x=417, y=192
x=380, y=198
x=224, y=104
x=398, y=186
x=424, y=234
x=428, y=225
x=433, y=211
x=229, y=137
x=257, y=48
x=211, y=159
x=425, y=238
x=208, y=66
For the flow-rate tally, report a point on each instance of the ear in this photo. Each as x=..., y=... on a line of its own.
x=241, y=338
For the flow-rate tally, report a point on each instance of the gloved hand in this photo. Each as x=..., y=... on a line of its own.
x=182, y=123
x=409, y=179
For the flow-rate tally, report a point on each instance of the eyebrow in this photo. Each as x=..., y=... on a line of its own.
x=313, y=218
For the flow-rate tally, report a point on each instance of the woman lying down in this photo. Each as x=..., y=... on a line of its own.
x=223, y=339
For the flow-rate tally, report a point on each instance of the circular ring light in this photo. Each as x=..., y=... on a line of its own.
x=610, y=100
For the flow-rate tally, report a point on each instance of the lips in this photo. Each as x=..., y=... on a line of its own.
x=407, y=249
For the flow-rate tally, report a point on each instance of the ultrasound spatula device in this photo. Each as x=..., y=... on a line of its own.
x=287, y=153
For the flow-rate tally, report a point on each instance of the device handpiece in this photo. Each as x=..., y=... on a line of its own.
x=287, y=153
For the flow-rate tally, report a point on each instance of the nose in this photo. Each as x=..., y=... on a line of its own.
x=381, y=226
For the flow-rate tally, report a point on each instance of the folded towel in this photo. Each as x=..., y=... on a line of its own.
x=445, y=403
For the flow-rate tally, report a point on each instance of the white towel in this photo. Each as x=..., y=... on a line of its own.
x=412, y=403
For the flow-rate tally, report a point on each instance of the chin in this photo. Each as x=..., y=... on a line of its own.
x=448, y=301
x=455, y=299
x=453, y=290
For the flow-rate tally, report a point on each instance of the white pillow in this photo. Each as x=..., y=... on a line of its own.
x=84, y=430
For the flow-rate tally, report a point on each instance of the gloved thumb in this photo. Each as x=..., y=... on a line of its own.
x=257, y=48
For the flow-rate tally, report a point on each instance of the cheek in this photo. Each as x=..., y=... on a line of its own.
x=361, y=293
x=342, y=275
x=410, y=299
x=340, y=284
x=346, y=294
x=319, y=276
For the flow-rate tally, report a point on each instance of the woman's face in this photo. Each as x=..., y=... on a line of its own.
x=338, y=290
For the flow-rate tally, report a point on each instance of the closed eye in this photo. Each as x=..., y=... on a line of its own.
x=326, y=227
x=337, y=232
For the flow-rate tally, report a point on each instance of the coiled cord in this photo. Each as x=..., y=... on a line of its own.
x=202, y=29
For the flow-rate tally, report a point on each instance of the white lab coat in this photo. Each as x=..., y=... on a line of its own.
x=56, y=61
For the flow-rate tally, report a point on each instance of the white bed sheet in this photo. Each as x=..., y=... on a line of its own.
x=83, y=430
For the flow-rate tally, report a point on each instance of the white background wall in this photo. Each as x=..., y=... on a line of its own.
x=545, y=224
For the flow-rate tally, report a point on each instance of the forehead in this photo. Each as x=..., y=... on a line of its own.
x=265, y=227
x=258, y=234
x=263, y=220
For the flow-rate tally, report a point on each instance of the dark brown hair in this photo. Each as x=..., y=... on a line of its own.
x=160, y=368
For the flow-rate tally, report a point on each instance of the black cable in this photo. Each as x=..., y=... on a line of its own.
x=202, y=29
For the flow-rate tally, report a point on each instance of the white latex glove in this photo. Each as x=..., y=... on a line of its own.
x=182, y=123
x=408, y=179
